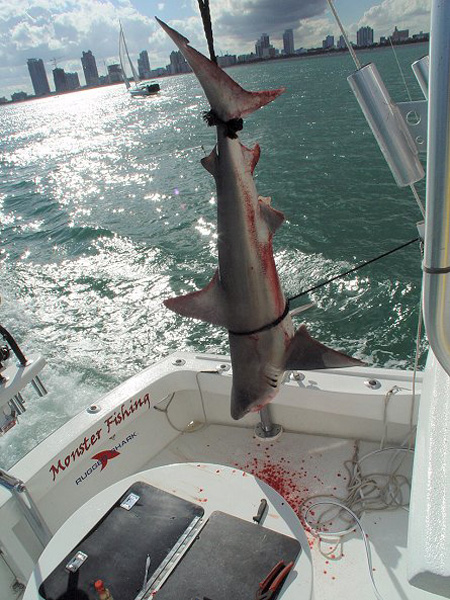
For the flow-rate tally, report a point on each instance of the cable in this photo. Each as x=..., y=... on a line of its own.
x=192, y=426
x=417, y=199
x=400, y=69
x=360, y=266
x=344, y=35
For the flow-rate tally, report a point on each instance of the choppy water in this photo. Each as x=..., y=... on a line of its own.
x=105, y=211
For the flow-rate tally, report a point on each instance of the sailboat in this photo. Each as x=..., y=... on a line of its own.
x=141, y=88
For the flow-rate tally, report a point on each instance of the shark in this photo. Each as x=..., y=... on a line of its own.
x=245, y=295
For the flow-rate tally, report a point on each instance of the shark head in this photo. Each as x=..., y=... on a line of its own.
x=257, y=372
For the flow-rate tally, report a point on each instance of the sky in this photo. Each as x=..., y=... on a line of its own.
x=59, y=30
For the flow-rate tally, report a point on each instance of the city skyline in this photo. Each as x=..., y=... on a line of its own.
x=63, y=30
x=65, y=81
x=263, y=49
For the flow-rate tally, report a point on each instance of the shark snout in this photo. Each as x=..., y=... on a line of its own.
x=244, y=401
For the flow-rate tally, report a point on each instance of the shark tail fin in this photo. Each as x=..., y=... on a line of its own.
x=228, y=99
x=304, y=352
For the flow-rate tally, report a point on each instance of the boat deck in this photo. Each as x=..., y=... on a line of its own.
x=299, y=466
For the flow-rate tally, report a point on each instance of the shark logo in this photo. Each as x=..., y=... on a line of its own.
x=104, y=456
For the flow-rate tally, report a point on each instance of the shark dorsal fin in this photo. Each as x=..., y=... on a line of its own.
x=273, y=218
x=210, y=162
x=251, y=156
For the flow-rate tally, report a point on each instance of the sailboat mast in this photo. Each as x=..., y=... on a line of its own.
x=133, y=69
x=121, y=57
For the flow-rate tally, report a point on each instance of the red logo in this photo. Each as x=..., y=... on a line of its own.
x=104, y=456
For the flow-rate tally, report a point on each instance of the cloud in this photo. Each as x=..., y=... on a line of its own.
x=246, y=20
x=63, y=29
x=405, y=14
x=239, y=23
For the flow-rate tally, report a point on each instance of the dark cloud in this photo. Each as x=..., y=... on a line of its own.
x=247, y=19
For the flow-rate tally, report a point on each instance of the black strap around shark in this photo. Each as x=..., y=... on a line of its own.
x=231, y=127
x=264, y=327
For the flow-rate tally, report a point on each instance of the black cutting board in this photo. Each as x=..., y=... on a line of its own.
x=118, y=545
x=228, y=560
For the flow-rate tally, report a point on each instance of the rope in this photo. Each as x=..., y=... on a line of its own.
x=360, y=266
x=206, y=18
x=363, y=536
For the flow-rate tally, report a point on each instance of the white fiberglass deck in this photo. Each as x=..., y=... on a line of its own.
x=299, y=466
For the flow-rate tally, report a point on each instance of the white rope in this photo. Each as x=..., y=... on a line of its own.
x=363, y=535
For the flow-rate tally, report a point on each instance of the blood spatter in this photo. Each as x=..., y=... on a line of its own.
x=280, y=478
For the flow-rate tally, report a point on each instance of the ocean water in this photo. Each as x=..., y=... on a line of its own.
x=105, y=211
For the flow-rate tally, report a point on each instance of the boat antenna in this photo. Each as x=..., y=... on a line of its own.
x=206, y=18
x=344, y=35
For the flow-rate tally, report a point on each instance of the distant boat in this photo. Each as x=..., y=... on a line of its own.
x=141, y=88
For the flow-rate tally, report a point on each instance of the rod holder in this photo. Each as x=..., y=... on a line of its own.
x=387, y=125
x=421, y=69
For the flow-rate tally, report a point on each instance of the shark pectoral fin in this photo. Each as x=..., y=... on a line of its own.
x=210, y=162
x=205, y=304
x=273, y=218
x=304, y=352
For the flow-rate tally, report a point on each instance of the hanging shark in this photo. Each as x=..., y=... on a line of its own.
x=244, y=294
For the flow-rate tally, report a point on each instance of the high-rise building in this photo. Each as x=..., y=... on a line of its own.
x=341, y=43
x=89, y=68
x=400, y=35
x=73, y=81
x=364, y=37
x=114, y=73
x=328, y=42
x=262, y=46
x=59, y=77
x=288, y=42
x=178, y=63
x=38, y=76
x=144, y=65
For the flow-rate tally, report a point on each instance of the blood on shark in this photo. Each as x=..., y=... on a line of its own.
x=244, y=294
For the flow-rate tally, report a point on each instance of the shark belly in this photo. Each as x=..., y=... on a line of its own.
x=247, y=272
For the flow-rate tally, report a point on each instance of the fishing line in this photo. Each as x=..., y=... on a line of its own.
x=360, y=266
